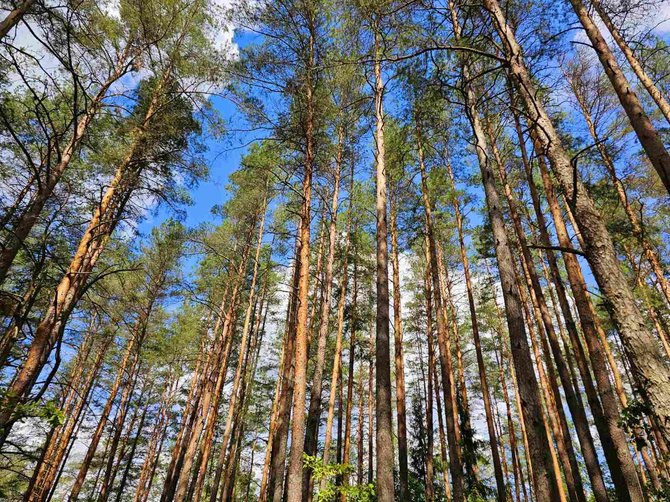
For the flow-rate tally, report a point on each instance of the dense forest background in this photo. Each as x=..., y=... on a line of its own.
x=320, y=250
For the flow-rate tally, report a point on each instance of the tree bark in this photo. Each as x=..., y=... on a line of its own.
x=650, y=253
x=26, y=221
x=76, y=279
x=295, y=464
x=546, y=485
x=242, y=357
x=384, y=432
x=14, y=17
x=430, y=470
x=486, y=397
x=635, y=63
x=401, y=407
x=647, y=362
x=314, y=413
x=455, y=462
x=337, y=356
x=575, y=406
x=644, y=129
x=624, y=477
x=278, y=456
x=120, y=383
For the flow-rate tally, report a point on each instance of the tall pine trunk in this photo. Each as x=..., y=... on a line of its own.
x=481, y=367
x=26, y=221
x=314, y=412
x=647, y=363
x=384, y=432
x=455, y=461
x=633, y=61
x=644, y=129
x=399, y=352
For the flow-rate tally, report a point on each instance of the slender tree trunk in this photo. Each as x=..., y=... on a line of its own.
x=351, y=375
x=215, y=375
x=337, y=356
x=516, y=461
x=192, y=408
x=634, y=62
x=636, y=223
x=430, y=470
x=155, y=443
x=56, y=449
x=399, y=353
x=314, y=413
x=455, y=462
x=574, y=404
x=242, y=357
x=263, y=490
x=131, y=456
x=486, y=397
x=371, y=404
x=624, y=477
x=644, y=129
x=597, y=483
x=545, y=483
x=120, y=383
x=31, y=213
x=440, y=427
x=384, y=487
x=278, y=456
x=580, y=356
x=295, y=465
x=74, y=282
x=230, y=463
x=360, y=435
x=554, y=420
x=648, y=364
x=117, y=431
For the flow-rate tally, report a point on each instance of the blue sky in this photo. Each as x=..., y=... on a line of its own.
x=223, y=156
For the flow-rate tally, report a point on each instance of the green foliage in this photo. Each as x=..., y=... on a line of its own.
x=332, y=490
x=49, y=412
x=632, y=420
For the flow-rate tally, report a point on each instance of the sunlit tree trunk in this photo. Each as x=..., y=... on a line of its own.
x=644, y=129
x=26, y=221
x=239, y=372
x=634, y=62
x=120, y=383
x=486, y=397
x=278, y=455
x=57, y=446
x=73, y=284
x=151, y=457
x=14, y=17
x=115, y=439
x=455, y=461
x=337, y=356
x=430, y=470
x=401, y=407
x=314, y=412
x=648, y=364
x=295, y=464
x=384, y=431
x=625, y=477
x=442, y=435
x=353, y=343
x=214, y=379
x=574, y=404
x=545, y=483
